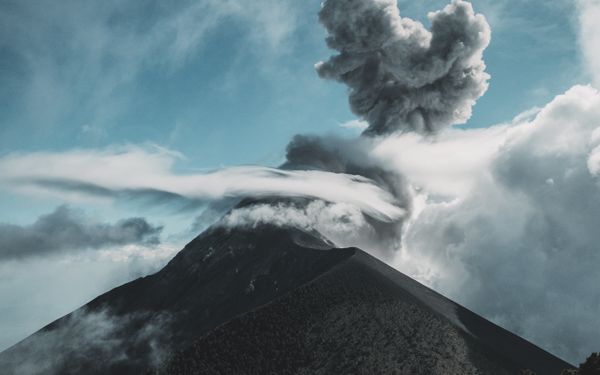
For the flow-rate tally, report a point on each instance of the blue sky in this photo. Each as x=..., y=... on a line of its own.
x=217, y=83
x=223, y=83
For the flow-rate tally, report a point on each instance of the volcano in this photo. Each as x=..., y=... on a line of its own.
x=274, y=300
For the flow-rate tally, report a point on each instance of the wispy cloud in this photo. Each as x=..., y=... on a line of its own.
x=85, y=57
x=148, y=173
x=358, y=125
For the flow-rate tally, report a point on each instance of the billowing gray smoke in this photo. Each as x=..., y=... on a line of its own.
x=401, y=76
x=354, y=157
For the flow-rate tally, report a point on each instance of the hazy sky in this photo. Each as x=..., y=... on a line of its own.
x=151, y=89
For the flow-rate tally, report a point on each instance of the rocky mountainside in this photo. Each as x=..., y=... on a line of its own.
x=274, y=300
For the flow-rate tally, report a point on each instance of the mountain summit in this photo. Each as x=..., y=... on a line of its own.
x=274, y=300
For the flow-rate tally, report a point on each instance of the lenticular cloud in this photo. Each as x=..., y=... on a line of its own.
x=107, y=173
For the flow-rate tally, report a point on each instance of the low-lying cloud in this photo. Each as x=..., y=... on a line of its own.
x=343, y=224
x=86, y=334
x=66, y=230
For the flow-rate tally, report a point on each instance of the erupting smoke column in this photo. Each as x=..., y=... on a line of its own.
x=401, y=76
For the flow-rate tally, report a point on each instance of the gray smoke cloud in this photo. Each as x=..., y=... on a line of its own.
x=355, y=157
x=348, y=156
x=66, y=229
x=401, y=76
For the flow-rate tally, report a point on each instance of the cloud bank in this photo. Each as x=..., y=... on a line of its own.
x=66, y=230
x=516, y=237
x=401, y=76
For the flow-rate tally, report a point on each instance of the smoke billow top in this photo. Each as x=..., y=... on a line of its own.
x=401, y=76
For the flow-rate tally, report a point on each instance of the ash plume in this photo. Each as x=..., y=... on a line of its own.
x=401, y=76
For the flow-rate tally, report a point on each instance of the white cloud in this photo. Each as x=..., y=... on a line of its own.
x=358, y=125
x=515, y=237
x=446, y=165
x=589, y=36
x=341, y=223
x=141, y=171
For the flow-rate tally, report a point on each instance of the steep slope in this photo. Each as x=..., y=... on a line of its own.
x=362, y=317
x=273, y=300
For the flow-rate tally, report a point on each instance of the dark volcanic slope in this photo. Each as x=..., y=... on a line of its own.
x=362, y=317
x=272, y=300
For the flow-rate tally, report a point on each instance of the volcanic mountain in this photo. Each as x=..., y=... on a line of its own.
x=274, y=300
